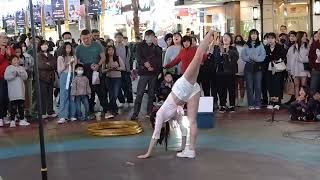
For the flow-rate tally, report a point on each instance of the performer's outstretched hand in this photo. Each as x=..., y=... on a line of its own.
x=144, y=156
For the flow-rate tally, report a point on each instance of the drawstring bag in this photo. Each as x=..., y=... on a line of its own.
x=95, y=78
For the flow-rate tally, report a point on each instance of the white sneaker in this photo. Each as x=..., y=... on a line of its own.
x=120, y=105
x=73, y=119
x=131, y=104
x=13, y=124
x=187, y=153
x=257, y=108
x=108, y=116
x=6, y=120
x=44, y=116
x=270, y=107
x=251, y=108
x=23, y=123
x=53, y=115
x=1, y=122
x=62, y=120
x=276, y=107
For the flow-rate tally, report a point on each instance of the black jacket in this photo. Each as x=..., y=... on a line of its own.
x=226, y=62
x=279, y=52
x=151, y=54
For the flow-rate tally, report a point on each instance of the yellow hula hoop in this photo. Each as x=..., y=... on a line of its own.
x=114, y=128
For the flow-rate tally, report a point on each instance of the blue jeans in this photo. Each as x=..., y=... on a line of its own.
x=85, y=101
x=114, y=86
x=253, y=83
x=126, y=88
x=67, y=107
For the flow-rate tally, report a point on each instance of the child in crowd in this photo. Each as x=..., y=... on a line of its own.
x=299, y=109
x=80, y=92
x=165, y=87
x=15, y=76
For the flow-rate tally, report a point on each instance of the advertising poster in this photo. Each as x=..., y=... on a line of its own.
x=20, y=18
x=144, y=5
x=48, y=15
x=94, y=7
x=113, y=7
x=37, y=14
x=74, y=10
x=10, y=24
x=57, y=9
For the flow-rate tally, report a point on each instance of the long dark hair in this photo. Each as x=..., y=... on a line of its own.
x=242, y=41
x=300, y=35
x=64, y=51
x=164, y=133
x=40, y=44
x=114, y=57
x=186, y=38
x=257, y=41
x=230, y=36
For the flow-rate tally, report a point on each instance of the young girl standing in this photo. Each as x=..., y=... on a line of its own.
x=15, y=76
x=66, y=66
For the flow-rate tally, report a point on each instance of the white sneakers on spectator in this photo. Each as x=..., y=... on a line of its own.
x=251, y=108
x=73, y=119
x=44, y=116
x=49, y=116
x=277, y=107
x=273, y=107
x=108, y=115
x=270, y=107
x=187, y=153
x=13, y=124
x=23, y=122
x=62, y=120
x=121, y=105
x=1, y=122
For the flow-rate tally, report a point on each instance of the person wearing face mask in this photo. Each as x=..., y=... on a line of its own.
x=80, y=92
x=240, y=88
x=149, y=67
x=26, y=61
x=66, y=37
x=47, y=65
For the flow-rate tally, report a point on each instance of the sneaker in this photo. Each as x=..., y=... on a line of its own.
x=62, y=120
x=231, y=109
x=187, y=153
x=277, y=107
x=1, y=122
x=13, y=124
x=134, y=118
x=130, y=104
x=52, y=115
x=44, y=116
x=73, y=119
x=222, y=109
x=147, y=116
x=270, y=107
x=257, y=108
x=120, y=105
x=251, y=108
x=108, y=116
x=23, y=122
x=6, y=120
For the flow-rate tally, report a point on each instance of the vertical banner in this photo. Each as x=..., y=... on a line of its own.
x=57, y=9
x=74, y=10
x=113, y=7
x=37, y=14
x=94, y=7
x=21, y=18
x=144, y=5
x=10, y=24
x=48, y=15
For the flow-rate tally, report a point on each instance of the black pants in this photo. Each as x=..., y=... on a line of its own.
x=208, y=82
x=143, y=82
x=17, y=106
x=4, y=100
x=275, y=83
x=46, y=91
x=264, y=86
x=126, y=88
x=226, y=84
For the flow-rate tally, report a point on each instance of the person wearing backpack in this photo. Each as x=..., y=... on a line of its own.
x=123, y=52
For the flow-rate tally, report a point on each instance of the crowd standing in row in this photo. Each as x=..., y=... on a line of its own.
x=106, y=68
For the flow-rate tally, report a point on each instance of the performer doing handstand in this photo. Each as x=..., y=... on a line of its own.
x=185, y=90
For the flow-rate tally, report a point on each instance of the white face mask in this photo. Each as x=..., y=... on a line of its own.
x=24, y=49
x=148, y=39
x=67, y=40
x=265, y=42
x=44, y=47
x=79, y=72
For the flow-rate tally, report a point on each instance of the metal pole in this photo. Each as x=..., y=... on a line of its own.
x=44, y=169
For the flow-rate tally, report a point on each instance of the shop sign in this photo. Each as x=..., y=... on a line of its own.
x=94, y=7
x=20, y=18
x=57, y=9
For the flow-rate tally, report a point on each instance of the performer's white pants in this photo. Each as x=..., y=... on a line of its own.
x=184, y=90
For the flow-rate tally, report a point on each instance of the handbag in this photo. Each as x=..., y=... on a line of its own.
x=289, y=86
x=306, y=67
x=277, y=66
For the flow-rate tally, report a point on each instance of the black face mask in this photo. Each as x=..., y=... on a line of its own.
x=238, y=42
x=282, y=41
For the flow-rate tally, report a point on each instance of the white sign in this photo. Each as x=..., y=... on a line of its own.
x=206, y=104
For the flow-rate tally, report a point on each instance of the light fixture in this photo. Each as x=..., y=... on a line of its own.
x=255, y=15
x=317, y=7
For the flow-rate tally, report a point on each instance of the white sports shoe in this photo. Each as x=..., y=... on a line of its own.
x=270, y=107
x=6, y=120
x=52, y=115
x=73, y=119
x=187, y=153
x=108, y=116
x=13, y=124
x=44, y=116
x=62, y=120
x=23, y=123
x=1, y=122
x=276, y=107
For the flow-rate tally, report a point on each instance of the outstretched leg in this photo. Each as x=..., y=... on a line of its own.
x=191, y=73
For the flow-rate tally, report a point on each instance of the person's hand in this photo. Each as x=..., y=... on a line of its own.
x=144, y=156
x=72, y=60
x=147, y=65
x=95, y=67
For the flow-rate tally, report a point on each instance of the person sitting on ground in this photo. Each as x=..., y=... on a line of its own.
x=314, y=107
x=299, y=109
x=185, y=90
